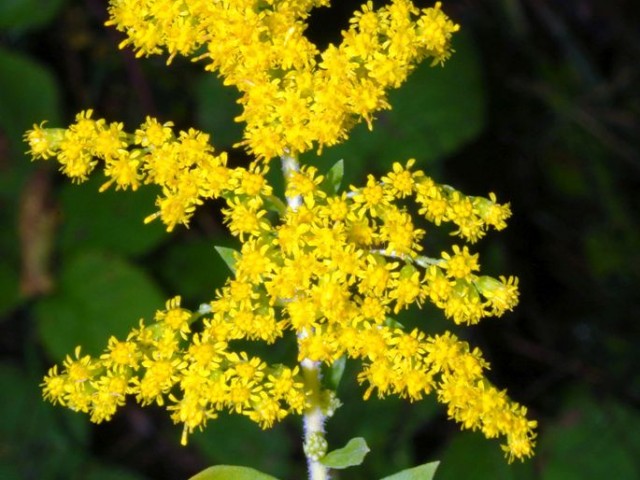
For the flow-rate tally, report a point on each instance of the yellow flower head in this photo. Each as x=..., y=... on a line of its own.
x=294, y=96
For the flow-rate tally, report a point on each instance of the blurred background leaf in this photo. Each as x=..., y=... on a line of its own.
x=29, y=95
x=19, y=15
x=99, y=295
x=236, y=440
x=592, y=439
x=111, y=220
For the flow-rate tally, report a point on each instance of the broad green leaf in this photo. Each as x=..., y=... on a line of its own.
x=351, y=454
x=30, y=94
x=591, y=440
x=99, y=295
x=9, y=471
x=333, y=179
x=24, y=14
x=229, y=472
x=228, y=255
x=33, y=429
x=333, y=373
x=232, y=439
x=471, y=455
x=201, y=269
x=422, y=472
x=111, y=220
x=217, y=107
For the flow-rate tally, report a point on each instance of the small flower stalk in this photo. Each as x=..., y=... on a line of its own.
x=329, y=267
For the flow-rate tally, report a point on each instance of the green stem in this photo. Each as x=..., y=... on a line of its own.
x=315, y=444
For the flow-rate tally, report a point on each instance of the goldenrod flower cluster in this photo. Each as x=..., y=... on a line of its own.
x=328, y=267
x=293, y=94
x=153, y=360
x=333, y=271
x=183, y=166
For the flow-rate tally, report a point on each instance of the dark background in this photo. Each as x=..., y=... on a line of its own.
x=539, y=104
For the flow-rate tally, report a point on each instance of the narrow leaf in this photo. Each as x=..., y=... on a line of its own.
x=229, y=257
x=274, y=204
x=333, y=373
x=422, y=472
x=393, y=323
x=351, y=454
x=99, y=295
x=231, y=472
x=333, y=178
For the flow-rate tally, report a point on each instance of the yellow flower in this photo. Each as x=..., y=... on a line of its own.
x=80, y=369
x=461, y=264
x=401, y=181
x=408, y=289
x=110, y=392
x=501, y=294
x=121, y=355
x=54, y=386
x=245, y=218
x=44, y=142
x=174, y=317
x=305, y=184
x=153, y=134
x=398, y=232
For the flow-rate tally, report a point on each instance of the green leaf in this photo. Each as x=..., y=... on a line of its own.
x=99, y=295
x=224, y=441
x=217, y=106
x=30, y=94
x=393, y=323
x=33, y=429
x=591, y=439
x=24, y=14
x=333, y=178
x=201, y=269
x=229, y=472
x=422, y=472
x=351, y=454
x=111, y=220
x=274, y=204
x=229, y=257
x=333, y=373
x=471, y=455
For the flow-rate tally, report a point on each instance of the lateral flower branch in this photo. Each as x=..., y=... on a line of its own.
x=328, y=267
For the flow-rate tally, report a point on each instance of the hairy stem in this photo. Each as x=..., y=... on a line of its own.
x=315, y=444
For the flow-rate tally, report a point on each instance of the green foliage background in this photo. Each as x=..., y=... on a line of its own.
x=540, y=103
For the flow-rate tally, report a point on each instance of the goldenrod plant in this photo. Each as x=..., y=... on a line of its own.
x=330, y=267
